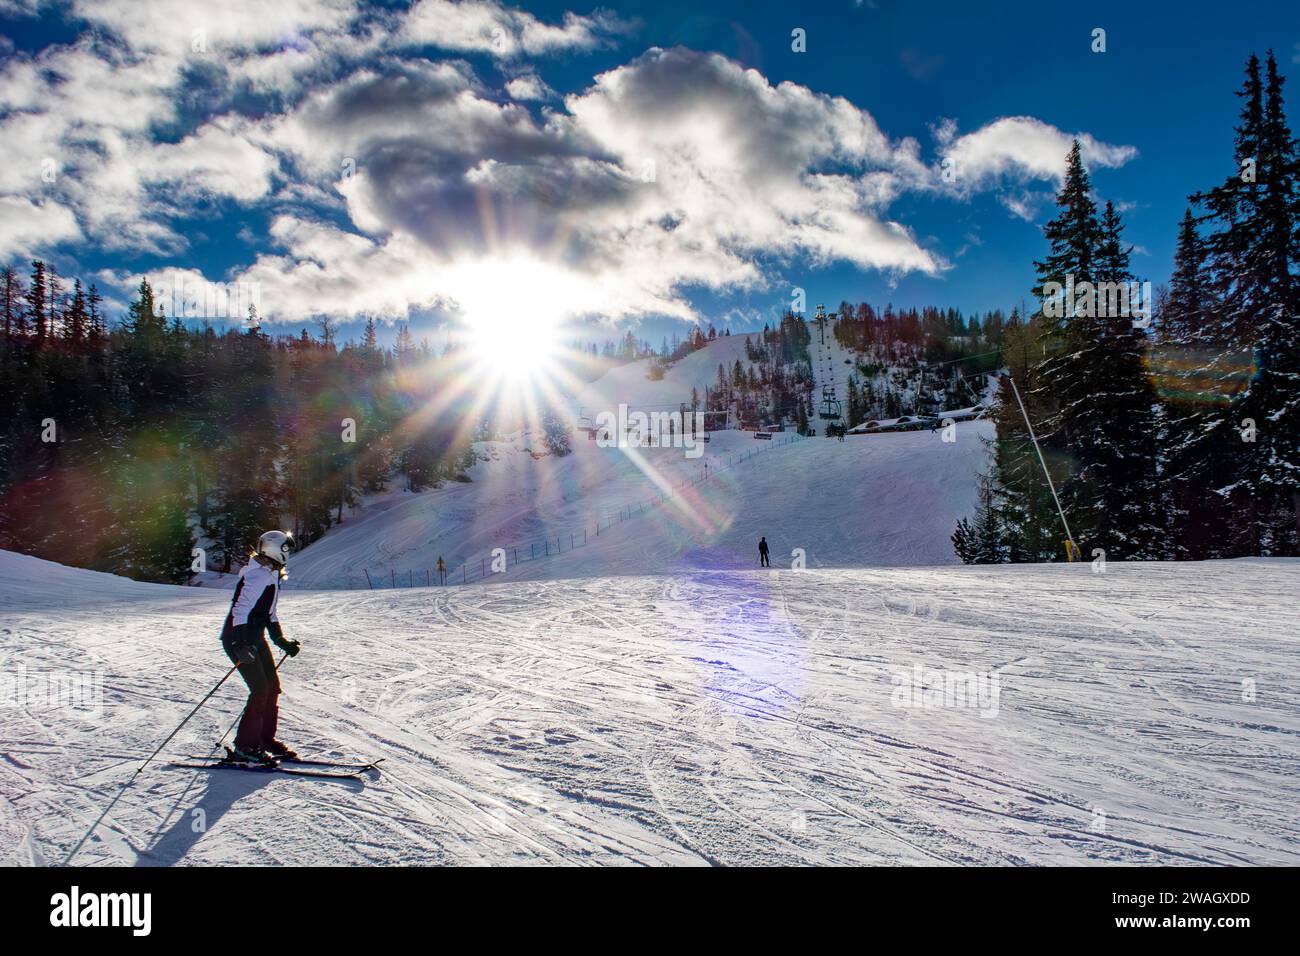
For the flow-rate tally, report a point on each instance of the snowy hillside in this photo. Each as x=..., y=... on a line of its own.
x=877, y=500
x=728, y=718
x=631, y=384
x=870, y=501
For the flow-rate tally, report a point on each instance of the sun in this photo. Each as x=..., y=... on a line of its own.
x=515, y=348
x=513, y=320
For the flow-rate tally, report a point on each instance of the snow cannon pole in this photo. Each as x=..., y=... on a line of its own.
x=1046, y=474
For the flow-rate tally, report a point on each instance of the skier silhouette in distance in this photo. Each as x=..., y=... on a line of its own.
x=442, y=570
x=762, y=553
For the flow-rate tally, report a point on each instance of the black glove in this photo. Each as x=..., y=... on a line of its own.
x=277, y=634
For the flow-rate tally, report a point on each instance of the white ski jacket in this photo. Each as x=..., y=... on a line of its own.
x=256, y=595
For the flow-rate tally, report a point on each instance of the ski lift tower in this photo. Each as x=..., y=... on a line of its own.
x=831, y=409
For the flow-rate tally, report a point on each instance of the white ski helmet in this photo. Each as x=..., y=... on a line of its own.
x=275, y=545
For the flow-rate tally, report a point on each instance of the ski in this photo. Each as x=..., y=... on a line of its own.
x=268, y=768
x=364, y=765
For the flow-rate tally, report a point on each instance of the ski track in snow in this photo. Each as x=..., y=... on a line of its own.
x=725, y=717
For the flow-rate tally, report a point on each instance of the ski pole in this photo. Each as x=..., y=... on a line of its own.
x=219, y=743
x=140, y=769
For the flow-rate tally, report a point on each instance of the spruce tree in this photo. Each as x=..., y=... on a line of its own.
x=36, y=301
x=1092, y=381
x=1252, y=369
x=1201, y=451
x=1272, y=401
x=11, y=294
x=1027, y=516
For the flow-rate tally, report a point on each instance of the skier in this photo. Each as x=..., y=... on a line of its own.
x=252, y=613
x=762, y=553
x=442, y=570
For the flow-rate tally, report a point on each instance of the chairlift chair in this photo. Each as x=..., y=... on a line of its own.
x=831, y=407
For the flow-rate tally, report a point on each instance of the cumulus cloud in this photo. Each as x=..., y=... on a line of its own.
x=1020, y=148
x=216, y=160
x=678, y=169
x=29, y=226
x=529, y=86
x=91, y=111
x=485, y=26
x=181, y=28
x=397, y=181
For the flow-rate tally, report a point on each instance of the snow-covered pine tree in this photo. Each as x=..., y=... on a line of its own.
x=555, y=432
x=1121, y=469
x=1273, y=398
x=1252, y=253
x=981, y=542
x=1201, y=451
x=1092, y=380
x=247, y=489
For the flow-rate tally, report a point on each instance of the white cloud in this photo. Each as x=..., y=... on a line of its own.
x=678, y=169
x=216, y=160
x=92, y=109
x=1020, y=148
x=30, y=226
x=485, y=26
x=528, y=87
x=183, y=28
x=740, y=174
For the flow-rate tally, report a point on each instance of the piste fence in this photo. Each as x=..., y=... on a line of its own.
x=479, y=567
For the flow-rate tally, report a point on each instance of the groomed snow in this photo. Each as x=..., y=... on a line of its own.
x=870, y=500
x=732, y=717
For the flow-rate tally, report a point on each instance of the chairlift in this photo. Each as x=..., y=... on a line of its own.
x=831, y=407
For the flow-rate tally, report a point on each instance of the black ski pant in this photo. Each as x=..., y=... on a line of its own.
x=246, y=646
x=762, y=559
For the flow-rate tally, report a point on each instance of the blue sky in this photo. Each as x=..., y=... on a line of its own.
x=818, y=170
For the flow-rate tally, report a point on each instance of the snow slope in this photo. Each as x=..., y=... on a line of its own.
x=873, y=500
x=724, y=717
x=629, y=384
x=882, y=500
